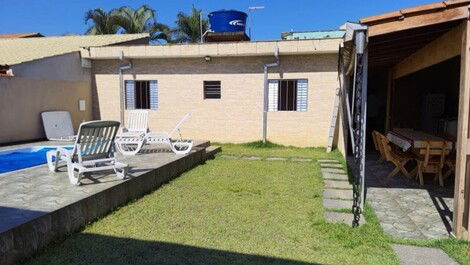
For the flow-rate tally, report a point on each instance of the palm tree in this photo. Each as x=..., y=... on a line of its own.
x=102, y=22
x=139, y=21
x=189, y=27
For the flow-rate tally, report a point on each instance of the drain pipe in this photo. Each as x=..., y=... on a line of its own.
x=265, y=95
x=121, y=87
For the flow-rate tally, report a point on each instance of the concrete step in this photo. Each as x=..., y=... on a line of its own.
x=325, y=165
x=335, y=176
x=411, y=255
x=327, y=161
x=338, y=194
x=333, y=170
x=202, y=144
x=345, y=218
x=337, y=204
x=212, y=150
x=337, y=184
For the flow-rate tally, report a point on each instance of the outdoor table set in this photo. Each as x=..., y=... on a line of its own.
x=431, y=153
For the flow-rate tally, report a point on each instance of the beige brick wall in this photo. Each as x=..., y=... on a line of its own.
x=237, y=116
x=54, y=83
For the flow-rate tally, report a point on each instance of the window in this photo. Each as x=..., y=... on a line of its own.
x=141, y=94
x=287, y=95
x=211, y=89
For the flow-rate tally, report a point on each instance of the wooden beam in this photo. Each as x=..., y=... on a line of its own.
x=416, y=21
x=462, y=136
x=443, y=48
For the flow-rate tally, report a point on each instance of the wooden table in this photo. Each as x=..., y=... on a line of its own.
x=417, y=142
x=407, y=138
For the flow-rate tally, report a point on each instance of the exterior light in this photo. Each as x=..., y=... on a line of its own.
x=208, y=58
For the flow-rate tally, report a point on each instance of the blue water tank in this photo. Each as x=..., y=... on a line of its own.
x=227, y=21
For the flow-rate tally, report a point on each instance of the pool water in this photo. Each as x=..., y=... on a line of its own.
x=16, y=159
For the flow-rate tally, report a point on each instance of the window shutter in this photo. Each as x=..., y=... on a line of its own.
x=302, y=95
x=153, y=94
x=273, y=91
x=130, y=95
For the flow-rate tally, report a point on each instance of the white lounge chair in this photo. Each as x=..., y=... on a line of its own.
x=131, y=145
x=137, y=124
x=134, y=133
x=93, y=151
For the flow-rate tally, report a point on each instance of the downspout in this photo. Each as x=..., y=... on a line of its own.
x=122, y=106
x=265, y=95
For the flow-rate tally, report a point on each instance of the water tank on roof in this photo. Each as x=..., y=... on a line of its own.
x=227, y=21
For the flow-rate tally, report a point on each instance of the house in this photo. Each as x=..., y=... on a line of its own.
x=21, y=35
x=222, y=85
x=46, y=73
x=311, y=35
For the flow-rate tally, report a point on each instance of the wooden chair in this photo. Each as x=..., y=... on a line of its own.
x=432, y=160
x=378, y=146
x=399, y=159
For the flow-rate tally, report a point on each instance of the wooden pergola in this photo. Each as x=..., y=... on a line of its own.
x=412, y=39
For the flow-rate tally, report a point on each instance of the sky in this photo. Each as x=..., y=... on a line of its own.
x=59, y=17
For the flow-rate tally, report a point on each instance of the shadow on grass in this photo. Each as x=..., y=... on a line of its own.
x=99, y=249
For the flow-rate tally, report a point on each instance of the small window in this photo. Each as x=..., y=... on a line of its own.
x=141, y=94
x=287, y=95
x=211, y=89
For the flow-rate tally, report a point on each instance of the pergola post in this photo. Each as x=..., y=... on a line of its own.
x=462, y=179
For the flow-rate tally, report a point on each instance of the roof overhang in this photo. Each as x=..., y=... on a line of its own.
x=233, y=49
x=395, y=36
x=416, y=17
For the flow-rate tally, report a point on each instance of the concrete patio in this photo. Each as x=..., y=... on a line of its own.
x=38, y=206
x=406, y=210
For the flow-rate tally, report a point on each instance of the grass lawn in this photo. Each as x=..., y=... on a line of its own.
x=232, y=211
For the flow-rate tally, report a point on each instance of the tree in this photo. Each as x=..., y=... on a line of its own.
x=140, y=20
x=188, y=27
x=102, y=22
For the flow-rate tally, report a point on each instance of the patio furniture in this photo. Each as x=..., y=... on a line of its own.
x=131, y=145
x=378, y=146
x=432, y=160
x=93, y=151
x=132, y=138
x=409, y=138
x=58, y=125
x=137, y=124
x=399, y=159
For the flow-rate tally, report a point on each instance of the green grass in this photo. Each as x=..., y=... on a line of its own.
x=232, y=211
x=274, y=150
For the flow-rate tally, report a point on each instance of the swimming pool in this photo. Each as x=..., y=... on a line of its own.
x=16, y=159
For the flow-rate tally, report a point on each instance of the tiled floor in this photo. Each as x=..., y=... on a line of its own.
x=32, y=192
x=405, y=209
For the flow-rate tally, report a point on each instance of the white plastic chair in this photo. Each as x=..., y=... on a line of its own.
x=137, y=124
x=134, y=134
x=93, y=151
x=132, y=145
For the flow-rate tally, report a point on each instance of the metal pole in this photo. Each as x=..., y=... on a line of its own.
x=265, y=93
x=364, y=122
x=265, y=104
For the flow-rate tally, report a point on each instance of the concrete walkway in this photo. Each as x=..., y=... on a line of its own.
x=337, y=193
x=410, y=255
x=406, y=210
